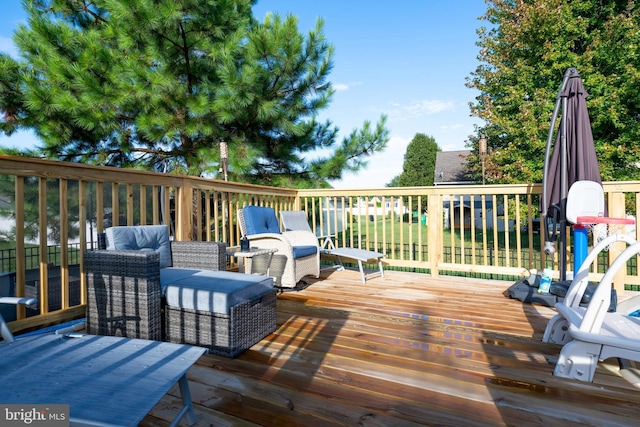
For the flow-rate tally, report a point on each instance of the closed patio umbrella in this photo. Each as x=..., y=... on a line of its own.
x=573, y=159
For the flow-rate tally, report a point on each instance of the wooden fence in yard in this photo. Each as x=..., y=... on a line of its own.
x=471, y=229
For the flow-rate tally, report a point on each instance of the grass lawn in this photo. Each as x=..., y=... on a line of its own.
x=405, y=232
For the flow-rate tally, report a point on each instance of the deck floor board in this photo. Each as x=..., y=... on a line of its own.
x=404, y=350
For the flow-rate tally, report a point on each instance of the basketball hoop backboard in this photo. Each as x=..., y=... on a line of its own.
x=585, y=199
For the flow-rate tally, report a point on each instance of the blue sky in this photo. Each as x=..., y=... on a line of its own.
x=407, y=59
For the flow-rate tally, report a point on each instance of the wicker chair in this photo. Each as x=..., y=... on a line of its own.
x=124, y=295
x=146, y=286
x=298, y=251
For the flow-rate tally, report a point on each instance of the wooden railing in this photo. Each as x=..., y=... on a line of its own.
x=474, y=230
x=485, y=230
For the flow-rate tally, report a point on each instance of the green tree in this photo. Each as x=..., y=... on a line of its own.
x=159, y=83
x=419, y=166
x=395, y=182
x=524, y=53
x=419, y=162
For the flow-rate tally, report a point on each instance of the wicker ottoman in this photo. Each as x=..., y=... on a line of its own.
x=223, y=311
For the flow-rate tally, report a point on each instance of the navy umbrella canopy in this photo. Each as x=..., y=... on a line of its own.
x=580, y=161
x=573, y=157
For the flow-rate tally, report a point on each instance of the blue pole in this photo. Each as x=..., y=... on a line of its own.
x=580, y=241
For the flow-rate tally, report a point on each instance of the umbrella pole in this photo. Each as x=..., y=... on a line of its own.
x=563, y=189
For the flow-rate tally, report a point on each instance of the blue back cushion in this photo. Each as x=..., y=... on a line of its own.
x=141, y=238
x=259, y=220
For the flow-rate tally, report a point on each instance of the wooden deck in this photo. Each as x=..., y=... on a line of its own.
x=402, y=350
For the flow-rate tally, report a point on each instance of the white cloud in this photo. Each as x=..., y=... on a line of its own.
x=418, y=109
x=453, y=127
x=339, y=87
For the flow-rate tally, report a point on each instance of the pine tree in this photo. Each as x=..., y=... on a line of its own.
x=419, y=162
x=159, y=83
x=419, y=165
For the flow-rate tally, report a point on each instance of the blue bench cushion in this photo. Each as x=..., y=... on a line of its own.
x=212, y=291
x=303, y=251
x=260, y=220
x=141, y=238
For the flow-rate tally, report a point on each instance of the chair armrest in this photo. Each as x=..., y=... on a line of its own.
x=576, y=291
x=276, y=236
x=123, y=293
x=129, y=263
x=18, y=300
x=199, y=255
x=271, y=240
x=5, y=332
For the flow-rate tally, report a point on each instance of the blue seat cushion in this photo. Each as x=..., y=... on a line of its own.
x=303, y=251
x=260, y=220
x=211, y=291
x=141, y=238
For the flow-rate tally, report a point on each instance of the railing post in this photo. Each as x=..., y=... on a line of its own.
x=184, y=211
x=435, y=226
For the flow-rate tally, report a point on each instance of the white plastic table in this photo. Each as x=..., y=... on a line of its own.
x=361, y=256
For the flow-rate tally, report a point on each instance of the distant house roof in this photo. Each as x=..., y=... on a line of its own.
x=451, y=168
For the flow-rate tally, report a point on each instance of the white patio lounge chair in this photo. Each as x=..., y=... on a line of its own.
x=105, y=380
x=297, y=220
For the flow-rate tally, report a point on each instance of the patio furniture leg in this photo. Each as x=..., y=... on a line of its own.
x=187, y=408
x=363, y=276
x=364, y=279
x=370, y=275
x=360, y=256
x=578, y=360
